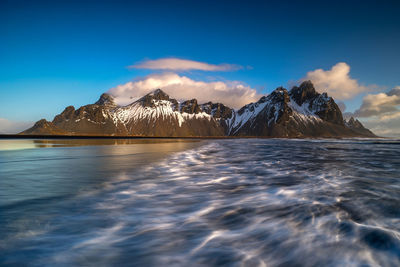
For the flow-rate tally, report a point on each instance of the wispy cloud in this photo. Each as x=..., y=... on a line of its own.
x=336, y=82
x=177, y=64
x=231, y=93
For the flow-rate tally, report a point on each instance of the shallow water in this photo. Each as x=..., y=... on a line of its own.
x=241, y=202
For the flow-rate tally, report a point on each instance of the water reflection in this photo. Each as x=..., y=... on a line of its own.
x=19, y=144
x=74, y=165
x=16, y=144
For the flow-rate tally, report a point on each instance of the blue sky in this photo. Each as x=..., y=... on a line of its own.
x=59, y=53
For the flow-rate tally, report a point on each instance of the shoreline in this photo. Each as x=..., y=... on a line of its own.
x=18, y=136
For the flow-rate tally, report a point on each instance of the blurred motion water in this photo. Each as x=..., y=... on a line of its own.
x=237, y=202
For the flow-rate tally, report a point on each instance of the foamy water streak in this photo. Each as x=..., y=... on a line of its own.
x=233, y=202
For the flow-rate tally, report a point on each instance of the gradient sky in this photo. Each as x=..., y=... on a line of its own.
x=59, y=53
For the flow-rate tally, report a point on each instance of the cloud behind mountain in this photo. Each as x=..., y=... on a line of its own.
x=336, y=82
x=231, y=93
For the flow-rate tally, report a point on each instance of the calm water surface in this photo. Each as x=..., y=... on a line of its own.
x=241, y=202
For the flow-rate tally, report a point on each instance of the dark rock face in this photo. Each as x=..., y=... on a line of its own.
x=106, y=100
x=280, y=111
x=166, y=117
x=93, y=119
x=323, y=106
x=217, y=110
x=353, y=123
x=190, y=107
x=300, y=112
x=303, y=93
x=326, y=108
x=271, y=120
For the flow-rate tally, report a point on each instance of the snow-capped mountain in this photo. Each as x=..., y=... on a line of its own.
x=300, y=112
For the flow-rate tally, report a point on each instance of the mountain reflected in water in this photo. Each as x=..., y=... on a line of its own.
x=30, y=170
x=37, y=143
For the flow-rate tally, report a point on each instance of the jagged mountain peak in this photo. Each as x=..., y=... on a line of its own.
x=304, y=92
x=354, y=123
x=158, y=94
x=307, y=85
x=190, y=106
x=279, y=90
x=106, y=100
x=300, y=112
x=217, y=110
x=352, y=120
x=356, y=126
x=156, y=97
x=279, y=94
x=44, y=127
x=41, y=123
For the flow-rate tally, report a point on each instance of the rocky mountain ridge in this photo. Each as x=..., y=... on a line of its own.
x=300, y=112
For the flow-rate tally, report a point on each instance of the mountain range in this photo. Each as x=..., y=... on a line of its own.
x=296, y=113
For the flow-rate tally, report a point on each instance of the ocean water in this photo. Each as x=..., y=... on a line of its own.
x=236, y=202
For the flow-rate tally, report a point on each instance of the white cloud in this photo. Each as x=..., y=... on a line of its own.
x=177, y=64
x=13, y=127
x=386, y=125
x=233, y=93
x=336, y=82
x=381, y=112
x=380, y=104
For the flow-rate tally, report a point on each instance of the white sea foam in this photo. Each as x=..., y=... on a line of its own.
x=239, y=202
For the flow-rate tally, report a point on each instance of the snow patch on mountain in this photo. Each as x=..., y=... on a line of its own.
x=161, y=109
x=244, y=115
x=298, y=112
x=303, y=112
